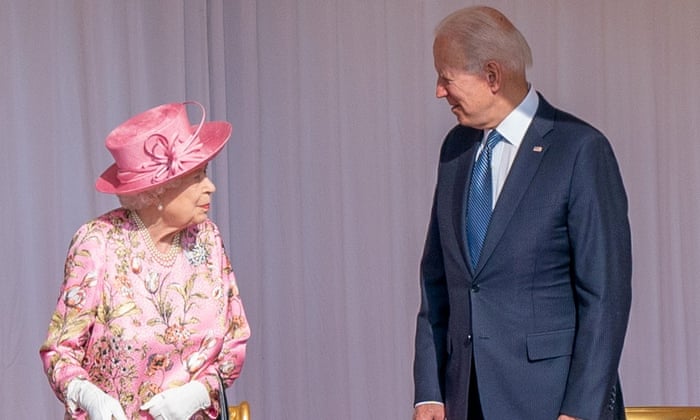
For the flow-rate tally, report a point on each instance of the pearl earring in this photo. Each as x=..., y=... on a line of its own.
x=160, y=207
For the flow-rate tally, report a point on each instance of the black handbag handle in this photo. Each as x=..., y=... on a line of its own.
x=223, y=402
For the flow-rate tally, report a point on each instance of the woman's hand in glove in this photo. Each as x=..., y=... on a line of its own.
x=178, y=403
x=93, y=400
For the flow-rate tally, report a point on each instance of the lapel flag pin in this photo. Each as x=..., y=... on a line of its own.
x=537, y=149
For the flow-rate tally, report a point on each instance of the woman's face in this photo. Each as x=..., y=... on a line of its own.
x=188, y=203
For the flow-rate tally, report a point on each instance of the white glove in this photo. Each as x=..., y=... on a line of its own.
x=178, y=403
x=93, y=400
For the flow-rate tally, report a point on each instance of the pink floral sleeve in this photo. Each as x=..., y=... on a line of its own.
x=64, y=349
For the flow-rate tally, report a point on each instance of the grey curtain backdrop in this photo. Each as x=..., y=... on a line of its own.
x=325, y=189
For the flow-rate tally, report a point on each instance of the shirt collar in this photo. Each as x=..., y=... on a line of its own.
x=514, y=126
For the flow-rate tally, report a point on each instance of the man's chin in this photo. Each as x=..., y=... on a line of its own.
x=463, y=121
x=461, y=118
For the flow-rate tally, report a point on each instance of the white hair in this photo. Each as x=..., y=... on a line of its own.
x=148, y=198
x=484, y=34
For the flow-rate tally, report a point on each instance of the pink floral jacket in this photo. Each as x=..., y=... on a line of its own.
x=135, y=328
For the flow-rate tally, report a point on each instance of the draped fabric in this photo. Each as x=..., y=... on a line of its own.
x=324, y=190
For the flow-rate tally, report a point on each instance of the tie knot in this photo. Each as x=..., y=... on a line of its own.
x=492, y=139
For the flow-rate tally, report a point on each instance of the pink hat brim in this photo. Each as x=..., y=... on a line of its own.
x=213, y=135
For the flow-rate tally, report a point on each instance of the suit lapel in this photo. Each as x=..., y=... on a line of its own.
x=530, y=154
x=462, y=178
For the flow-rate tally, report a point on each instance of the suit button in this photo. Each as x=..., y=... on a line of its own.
x=475, y=288
x=468, y=340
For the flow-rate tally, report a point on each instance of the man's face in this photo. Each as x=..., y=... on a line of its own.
x=469, y=94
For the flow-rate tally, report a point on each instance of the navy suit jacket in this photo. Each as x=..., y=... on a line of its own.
x=544, y=313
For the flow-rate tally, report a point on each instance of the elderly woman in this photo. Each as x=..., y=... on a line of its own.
x=149, y=323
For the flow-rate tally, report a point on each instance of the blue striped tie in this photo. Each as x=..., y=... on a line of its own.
x=480, y=198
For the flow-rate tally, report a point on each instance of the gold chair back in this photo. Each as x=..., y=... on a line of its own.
x=663, y=413
x=239, y=412
x=242, y=412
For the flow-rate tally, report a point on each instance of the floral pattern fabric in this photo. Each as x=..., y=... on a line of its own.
x=135, y=328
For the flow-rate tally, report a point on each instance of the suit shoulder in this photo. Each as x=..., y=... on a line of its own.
x=549, y=117
x=567, y=121
x=458, y=140
x=581, y=138
x=567, y=128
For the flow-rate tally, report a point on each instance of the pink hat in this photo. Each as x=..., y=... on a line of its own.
x=158, y=145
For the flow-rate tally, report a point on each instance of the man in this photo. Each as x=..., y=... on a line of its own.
x=526, y=271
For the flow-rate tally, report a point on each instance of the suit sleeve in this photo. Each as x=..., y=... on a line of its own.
x=431, y=326
x=601, y=274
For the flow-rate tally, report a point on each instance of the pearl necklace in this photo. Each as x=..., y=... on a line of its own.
x=166, y=260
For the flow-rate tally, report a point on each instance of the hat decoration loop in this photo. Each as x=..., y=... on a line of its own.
x=168, y=155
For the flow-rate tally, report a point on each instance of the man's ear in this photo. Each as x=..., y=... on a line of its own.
x=494, y=75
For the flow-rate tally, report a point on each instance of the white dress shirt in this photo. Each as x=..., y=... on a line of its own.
x=513, y=129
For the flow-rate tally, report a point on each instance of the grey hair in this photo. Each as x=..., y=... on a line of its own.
x=147, y=198
x=484, y=34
